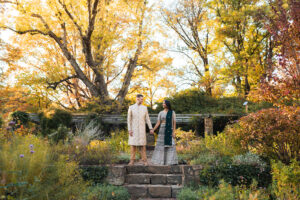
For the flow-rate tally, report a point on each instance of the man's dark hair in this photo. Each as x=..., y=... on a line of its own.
x=139, y=95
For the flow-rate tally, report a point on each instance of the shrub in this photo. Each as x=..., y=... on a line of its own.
x=106, y=192
x=208, y=150
x=195, y=101
x=22, y=118
x=209, y=158
x=99, y=152
x=224, y=191
x=60, y=134
x=96, y=174
x=62, y=117
x=124, y=158
x=193, y=150
x=51, y=124
x=183, y=138
x=89, y=131
x=119, y=141
x=1, y=121
x=273, y=133
x=30, y=169
x=235, y=175
x=220, y=122
x=221, y=143
x=187, y=193
x=95, y=153
x=227, y=192
x=286, y=179
x=249, y=159
x=86, y=150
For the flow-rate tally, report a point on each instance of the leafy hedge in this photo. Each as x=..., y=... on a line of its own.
x=60, y=118
x=21, y=117
x=96, y=174
x=224, y=191
x=236, y=175
x=195, y=101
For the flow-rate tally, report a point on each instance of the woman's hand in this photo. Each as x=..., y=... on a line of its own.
x=173, y=134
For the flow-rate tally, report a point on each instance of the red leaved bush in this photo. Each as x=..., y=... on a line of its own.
x=273, y=132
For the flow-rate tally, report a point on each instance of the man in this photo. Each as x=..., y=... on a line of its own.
x=136, y=119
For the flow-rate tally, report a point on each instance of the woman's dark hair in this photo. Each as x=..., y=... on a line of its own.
x=168, y=104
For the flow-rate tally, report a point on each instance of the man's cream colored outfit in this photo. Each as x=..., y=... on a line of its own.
x=137, y=118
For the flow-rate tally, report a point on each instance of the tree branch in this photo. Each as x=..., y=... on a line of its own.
x=71, y=17
x=32, y=31
x=194, y=64
x=2, y=1
x=109, y=81
x=55, y=84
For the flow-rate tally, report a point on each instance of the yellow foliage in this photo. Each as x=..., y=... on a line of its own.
x=95, y=144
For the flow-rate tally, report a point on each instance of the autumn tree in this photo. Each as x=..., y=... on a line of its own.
x=281, y=83
x=149, y=78
x=190, y=21
x=155, y=86
x=245, y=40
x=95, y=45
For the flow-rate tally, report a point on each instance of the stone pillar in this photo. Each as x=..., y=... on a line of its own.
x=150, y=139
x=150, y=144
x=209, y=125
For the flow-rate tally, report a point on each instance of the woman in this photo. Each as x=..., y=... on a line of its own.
x=165, y=149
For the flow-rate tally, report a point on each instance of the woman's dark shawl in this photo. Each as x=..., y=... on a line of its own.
x=168, y=128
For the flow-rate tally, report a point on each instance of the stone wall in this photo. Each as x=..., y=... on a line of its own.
x=190, y=173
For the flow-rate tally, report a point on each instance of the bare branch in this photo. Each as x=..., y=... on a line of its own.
x=189, y=57
x=55, y=84
x=71, y=17
x=121, y=71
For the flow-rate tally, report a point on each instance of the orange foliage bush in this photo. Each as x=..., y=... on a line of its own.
x=273, y=132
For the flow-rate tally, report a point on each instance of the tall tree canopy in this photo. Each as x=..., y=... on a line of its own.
x=88, y=48
x=245, y=40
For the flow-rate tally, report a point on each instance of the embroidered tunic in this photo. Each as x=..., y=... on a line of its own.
x=136, y=119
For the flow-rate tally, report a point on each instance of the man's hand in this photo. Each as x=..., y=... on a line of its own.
x=151, y=131
x=131, y=133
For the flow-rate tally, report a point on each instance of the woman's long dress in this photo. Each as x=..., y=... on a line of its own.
x=164, y=154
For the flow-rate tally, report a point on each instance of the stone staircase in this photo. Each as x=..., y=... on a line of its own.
x=153, y=182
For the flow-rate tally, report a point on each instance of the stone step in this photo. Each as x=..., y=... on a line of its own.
x=138, y=191
x=154, y=179
x=154, y=169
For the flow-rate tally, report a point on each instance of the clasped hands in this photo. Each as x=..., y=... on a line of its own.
x=131, y=132
x=151, y=132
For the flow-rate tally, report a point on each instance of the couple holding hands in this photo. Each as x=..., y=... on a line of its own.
x=165, y=149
